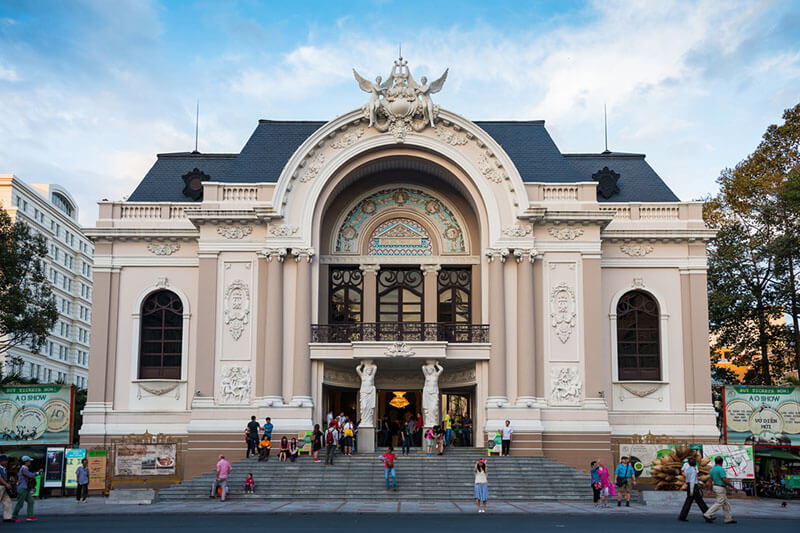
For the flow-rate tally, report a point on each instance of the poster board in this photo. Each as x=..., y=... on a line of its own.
x=762, y=415
x=642, y=455
x=98, y=461
x=145, y=460
x=54, y=467
x=738, y=459
x=72, y=459
x=36, y=415
x=39, y=478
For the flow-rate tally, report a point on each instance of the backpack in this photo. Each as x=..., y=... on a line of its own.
x=329, y=438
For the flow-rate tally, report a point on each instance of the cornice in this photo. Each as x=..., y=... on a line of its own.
x=658, y=235
x=579, y=216
x=229, y=216
x=140, y=234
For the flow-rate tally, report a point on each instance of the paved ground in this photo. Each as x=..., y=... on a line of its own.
x=251, y=520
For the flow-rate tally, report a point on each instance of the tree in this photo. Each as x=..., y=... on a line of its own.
x=27, y=305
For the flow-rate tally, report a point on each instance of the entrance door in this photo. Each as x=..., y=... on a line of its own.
x=393, y=410
x=340, y=399
x=460, y=402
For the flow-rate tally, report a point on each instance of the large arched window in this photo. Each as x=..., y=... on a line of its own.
x=638, y=337
x=161, y=337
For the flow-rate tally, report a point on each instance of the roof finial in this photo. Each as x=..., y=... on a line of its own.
x=400, y=50
x=605, y=127
x=196, y=126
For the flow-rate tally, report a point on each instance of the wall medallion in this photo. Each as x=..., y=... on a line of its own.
x=235, y=231
x=283, y=230
x=517, y=230
x=562, y=310
x=163, y=248
x=566, y=234
x=237, y=307
x=636, y=250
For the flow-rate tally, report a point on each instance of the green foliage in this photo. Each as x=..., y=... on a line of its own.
x=27, y=305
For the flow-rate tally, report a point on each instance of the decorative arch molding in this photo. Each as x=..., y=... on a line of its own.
x=638, y=284
x=319, y=156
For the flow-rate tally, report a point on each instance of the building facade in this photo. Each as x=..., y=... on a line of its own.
x=50, y=211
x=401, y=254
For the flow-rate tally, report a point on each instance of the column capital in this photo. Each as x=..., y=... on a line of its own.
x=278, y=254
x=521, y=254
x=303, y=253
x=374, y=268
x=430, y=269
x=497, y=254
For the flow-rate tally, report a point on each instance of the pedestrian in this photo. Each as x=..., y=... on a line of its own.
x=283, y=449
x=253, y=427
x=447, y=421
x=249, y=484
x=481, y=485
x=506, y=432
x=329, y=418
x=386, y=431
x=388, y=459
x=5, y=488
x=264, y=448
x=349, y=433
x=466, y=430
x=221, y=479
x=720, y=482
x=268, y=428
x=293, y=450
x=595, y=483
x=418, y=427
x=408, y=431
x=331, y=441
x=694, y=491
x=430, y=439
x=82, y=473
x=316, y=441
x=26, y=484
x=625, y=480
x=606, y=487
x=439, y=432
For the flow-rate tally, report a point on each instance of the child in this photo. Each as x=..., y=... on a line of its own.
x=263, y=449
x=249, y=484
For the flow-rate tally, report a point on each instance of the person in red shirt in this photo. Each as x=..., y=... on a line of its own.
x=388, y=459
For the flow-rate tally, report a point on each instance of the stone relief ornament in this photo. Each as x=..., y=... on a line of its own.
x=430, y=392
x=340, y=378
x=566, y=234
x=517, y=230
x=162, y=283
x=489, y=168
x=283, y=230
x=347, y=138
x=399, y=349
x=366, y=371
x=641, y=392
x=565, y=386
x=636, y=250
x=462, y=377
x=159, y=389
x=451, y=137
x=235, y=231
x=163, y=248
x=313, y=167
x=237, y=308
x=562, y=310
x=235, y=384
x=400, y=105
x=637, y=283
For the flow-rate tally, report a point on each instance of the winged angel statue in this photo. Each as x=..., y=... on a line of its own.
x=400, y=104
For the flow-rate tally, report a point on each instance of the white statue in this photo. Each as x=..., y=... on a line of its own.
x=376, y=90
x=430, y=393
x=425, y=91
x=366, y=371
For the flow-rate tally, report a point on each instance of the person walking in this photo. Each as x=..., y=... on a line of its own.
x=694, y=491
x=720, y=484
x=606, y=487
x=408, y=434
x=221, y=480
x=388, y=459
x=26, y=484
x=466, y=430
x=331, y=441
x=82, y=473
x=253, y=427
x=481, y=485
x=595, y=483
x=5, y=489
x=316, y=441
x=507, y=432
x=624, y=480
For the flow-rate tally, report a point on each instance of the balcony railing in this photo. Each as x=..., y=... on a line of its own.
x=400, y=331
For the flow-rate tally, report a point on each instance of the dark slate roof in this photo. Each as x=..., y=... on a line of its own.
x=528, y=144
x=638, y=182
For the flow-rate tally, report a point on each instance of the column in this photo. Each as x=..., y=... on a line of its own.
x=273, y=360
x=598, y=376
x=103, y=353
x=497, y=328
x=261, y=313
x=206, y=325
x=526, y=334
x=369, y=294
x=302, y=329
x=430, y=273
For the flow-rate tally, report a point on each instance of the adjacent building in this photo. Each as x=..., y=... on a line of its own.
x=52, y=212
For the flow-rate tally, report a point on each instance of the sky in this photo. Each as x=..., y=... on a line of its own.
x=91, y=91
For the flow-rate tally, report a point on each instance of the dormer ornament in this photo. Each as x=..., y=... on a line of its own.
x=193, y=184
x=606, y=182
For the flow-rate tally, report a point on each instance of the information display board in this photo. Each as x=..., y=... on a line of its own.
x=762, y=415
x=73, y=458
x=97, y=469
x=54, y=467
x=642, y=456
x=739, y=462
x=36, y=415
x=145, y=460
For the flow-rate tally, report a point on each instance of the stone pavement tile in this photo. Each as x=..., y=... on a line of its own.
x=368, y=507
x=319, y=506
x=422, y=506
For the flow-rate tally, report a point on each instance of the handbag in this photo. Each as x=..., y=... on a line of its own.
x=348, y=432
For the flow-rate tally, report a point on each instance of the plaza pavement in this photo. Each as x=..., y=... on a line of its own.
x=744, y=508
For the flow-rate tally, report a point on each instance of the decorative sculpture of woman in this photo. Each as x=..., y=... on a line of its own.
x=366, y=371
x=430, y=392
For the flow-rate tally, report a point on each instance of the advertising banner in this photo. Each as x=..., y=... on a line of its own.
x=54, y=467
x=762, y=415
x=145, y=460
x=97, y=469
x=35, y=415
x=73, y=458
x=642, y=455
x=738, y=459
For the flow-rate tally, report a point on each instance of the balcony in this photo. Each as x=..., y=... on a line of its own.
x=400, y=331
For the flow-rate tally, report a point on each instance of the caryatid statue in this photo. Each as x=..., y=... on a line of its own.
x=430, y=392
x=366, y=371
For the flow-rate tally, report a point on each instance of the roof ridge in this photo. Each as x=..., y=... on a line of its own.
x=627, y=155
x=197, y=155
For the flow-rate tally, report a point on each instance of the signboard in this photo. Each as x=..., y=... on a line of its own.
x=145, y=460
x=36, y=415
x=738, y=460
x=35, y=492
x=97, y=469
x=54, y=467
x=762, y=415
x=73, y=458
x=641, y=456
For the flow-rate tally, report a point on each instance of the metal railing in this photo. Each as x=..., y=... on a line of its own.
x=400, y=331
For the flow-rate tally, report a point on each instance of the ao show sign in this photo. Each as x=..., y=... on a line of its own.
x=762, y=415
x=36, y=415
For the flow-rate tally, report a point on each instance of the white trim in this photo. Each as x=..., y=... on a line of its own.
x=119, y=261
x=399, y=260
x=693, y=263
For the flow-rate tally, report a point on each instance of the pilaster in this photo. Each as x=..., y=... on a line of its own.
x=497, y=397
x=273, y=327
x=369, y=296
x=431, y=297
x=301, y=391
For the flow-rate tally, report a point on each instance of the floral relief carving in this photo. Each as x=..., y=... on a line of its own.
x=237, y=308
x=517, y=230
x=562, y=310
x=163, y=248
x=489, y=168
x=235, y=231
x=283, y=230
x=451, y=137
x=313, y=167
x=636, y=250
x=399, y=349
x=347, y=138
x=460, y=377
x=159, y=389
x=565, y=386
x=341, y=378
x=566, y=234
x=235, y=384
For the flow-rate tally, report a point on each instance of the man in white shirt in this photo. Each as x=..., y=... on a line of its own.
x=331, y=441
x=506, y=432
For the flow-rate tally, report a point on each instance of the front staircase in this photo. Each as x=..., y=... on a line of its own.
x=419, y=477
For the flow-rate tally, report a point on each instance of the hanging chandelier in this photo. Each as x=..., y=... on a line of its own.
x=399, y=400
